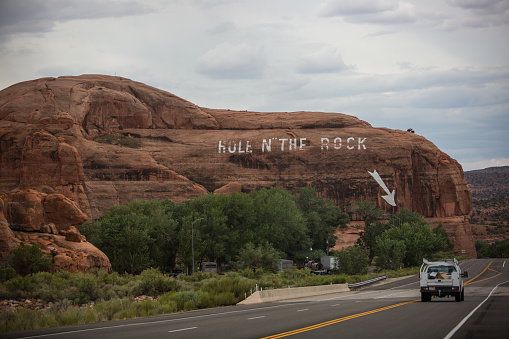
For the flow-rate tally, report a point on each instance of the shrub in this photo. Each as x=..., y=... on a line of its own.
x=19, y=320
x=258, y=257
x=153, y=282
x=186, y=300
x=353, y=260
x=197, y=276
x=121, y=140
x=237, y=286
x=109, y=310
x=29, y=259
x=7, y=273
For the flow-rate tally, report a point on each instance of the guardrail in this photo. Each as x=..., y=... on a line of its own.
x=366, y=282
x=293, y=293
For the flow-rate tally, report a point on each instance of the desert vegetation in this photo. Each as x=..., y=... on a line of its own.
x=247, y=234
x=119, y=139
x=70, y=299
x=218, y=228
x=497, y=249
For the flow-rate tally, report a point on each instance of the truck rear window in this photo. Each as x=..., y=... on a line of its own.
x=446, y=269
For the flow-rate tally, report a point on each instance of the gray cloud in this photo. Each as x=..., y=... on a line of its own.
x=226, y=61
x=460, y=13
x=224, y=27
x=25, y=16
x=392, y=12
x=325, y=60
x=477, y=14
x=485, y=6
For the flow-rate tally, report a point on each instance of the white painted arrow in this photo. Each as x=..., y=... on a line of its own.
x=390, y=196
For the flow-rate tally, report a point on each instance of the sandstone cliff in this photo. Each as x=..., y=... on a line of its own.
x=48, y=127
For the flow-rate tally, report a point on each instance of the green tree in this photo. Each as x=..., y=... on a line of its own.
x=498, y=249
x=440, y=231
x=322, y=218
x=389, y=253
x=137, y=236
x=369, y=236
x=29, y=259
x=262, y=256
x=278, y=220
x=367, y=211
x=415, y=232
x=212, y=236
x=482, y=248
x=353, y=260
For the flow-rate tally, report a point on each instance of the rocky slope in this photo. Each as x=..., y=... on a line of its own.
x=489, y=183
x=490, y=203
x=48, y=127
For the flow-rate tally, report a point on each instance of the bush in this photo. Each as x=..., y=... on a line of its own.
x=29, y=259
x=258, y=257
x=186, y=300
x=7, y=273
x=153, y=282
x=121, y=140
x=109, y=310
x=353, y=260
x=237, y=286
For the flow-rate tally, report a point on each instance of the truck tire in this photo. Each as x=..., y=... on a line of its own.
x=425, y=297
x=457, y=297
x=463, y=295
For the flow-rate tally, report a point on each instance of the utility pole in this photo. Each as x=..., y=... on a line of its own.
x=192, y=239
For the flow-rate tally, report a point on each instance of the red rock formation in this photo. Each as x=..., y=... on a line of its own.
x=47, y=220
x=48, y=126
x=233, y=187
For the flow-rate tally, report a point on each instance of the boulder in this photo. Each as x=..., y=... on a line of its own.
x=30, y=218
x=67, y=255
x=24, y=210
x=72, y=234
x=62, y=212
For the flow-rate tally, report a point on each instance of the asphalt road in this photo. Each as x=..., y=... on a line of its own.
x=389, y=310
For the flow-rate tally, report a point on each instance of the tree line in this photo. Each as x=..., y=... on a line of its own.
x=399, y=240
x=219, y=228
x=255, y=230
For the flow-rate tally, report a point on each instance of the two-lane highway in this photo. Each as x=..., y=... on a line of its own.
x=392, y=310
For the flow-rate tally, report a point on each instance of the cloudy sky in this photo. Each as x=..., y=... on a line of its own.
x=440, y=67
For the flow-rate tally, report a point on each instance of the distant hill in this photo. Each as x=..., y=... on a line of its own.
x=490, y=203
x=488, y=183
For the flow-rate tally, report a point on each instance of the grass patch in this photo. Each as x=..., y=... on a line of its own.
x=120, y=140
x=79, y=298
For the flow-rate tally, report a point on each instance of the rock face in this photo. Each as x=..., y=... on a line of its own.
x=48, y=127
x=48, y=220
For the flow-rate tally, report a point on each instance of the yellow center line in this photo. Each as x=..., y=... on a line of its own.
x=335, y=321
x=471, y=281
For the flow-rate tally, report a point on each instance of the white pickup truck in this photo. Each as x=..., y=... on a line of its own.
x=441, y=278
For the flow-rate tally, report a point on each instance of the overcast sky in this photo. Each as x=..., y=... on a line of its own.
x=440, y=67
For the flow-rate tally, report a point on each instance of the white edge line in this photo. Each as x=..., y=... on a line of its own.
x=200, y=316
x=183, y=329
x=262, y=316
x=154, y=322
x=454, y=330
